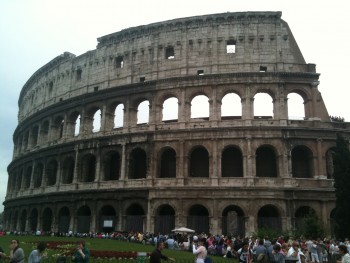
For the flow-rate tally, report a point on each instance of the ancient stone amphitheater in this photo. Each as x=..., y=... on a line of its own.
x=109, y=140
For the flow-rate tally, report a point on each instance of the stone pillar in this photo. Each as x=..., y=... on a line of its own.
x=148, y=217
x=249, y=170
x=213, y=164
x=247, y=106
x=320, y=162
x=93, y=218
x=76, y=163
x=98, y=173
x=123, y=163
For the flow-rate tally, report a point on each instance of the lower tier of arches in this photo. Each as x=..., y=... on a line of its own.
x=210, y=210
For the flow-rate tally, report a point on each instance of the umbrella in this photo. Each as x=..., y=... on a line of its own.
x=183, y=229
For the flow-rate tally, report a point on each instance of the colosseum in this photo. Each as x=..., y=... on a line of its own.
x=109, y=140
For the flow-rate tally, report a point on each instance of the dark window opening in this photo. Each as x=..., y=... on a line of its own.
x=263, y=69
x=169, y=53
x=79, y=71
x=142, y=79
x=200, y=72
x=96, y=88
x=119, y=62
x=231, y=47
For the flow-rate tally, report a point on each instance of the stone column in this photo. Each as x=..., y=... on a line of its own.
x=98, y=173
x=76, y=163
x=123, y=163
x=320, y=162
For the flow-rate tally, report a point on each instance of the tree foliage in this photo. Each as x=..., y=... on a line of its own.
x=342, y=188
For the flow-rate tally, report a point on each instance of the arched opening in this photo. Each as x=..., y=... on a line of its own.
x=164, y=220
x=231, y=106
x=88, y=168
x=330, y=157
x=47, y=220
x=134, y=218
x=168, y=163
x=119, y=116
x=263, y=106
x=170, y=109
x=63, y=220
x=28, y=177
x=138, y=164
x=23, y=220
x=296, y=109
x=38, y=174
x=200, y=107
x=77, y=124
x=111, y=165
x=143, y=112
x=266, y=163
x=96, y=123
x=302, y=162
x=44, y=132
x=34, y=136
x=199, y=162
x=269, y=218
x=68, y=170
x=33, y=220
x=83, y=219
x=107, y=219
x=300, y=214
x=232, y=162
x=51, y=172
x=198, y=219
x=233, y=221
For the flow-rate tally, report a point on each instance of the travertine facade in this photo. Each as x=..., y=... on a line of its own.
x=86, y=159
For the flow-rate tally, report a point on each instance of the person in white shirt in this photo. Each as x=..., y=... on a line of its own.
x=200, y=251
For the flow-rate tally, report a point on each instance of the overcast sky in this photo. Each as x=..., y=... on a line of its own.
x=34, y=32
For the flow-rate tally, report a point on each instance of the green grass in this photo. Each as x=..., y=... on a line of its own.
x=28, y=243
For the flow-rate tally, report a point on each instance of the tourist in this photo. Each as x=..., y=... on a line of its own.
x=37, y=254
x=343, y=251
x=199, y=250
x=245, y=253
x=16, y=253
x=157, y=255
x=81, y=254
x=278, y=255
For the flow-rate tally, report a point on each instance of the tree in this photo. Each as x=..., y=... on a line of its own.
x=342, y=188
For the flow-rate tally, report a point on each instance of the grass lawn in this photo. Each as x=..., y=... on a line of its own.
x=28, y=243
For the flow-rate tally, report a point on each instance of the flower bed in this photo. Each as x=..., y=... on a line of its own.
x=66, y=248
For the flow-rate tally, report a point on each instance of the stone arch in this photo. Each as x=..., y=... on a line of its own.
x=266, y=161
x=19, y=178
x=119, y=116
x=231, y=162
x=233, y=221
x=170, y=109
x=23, y=221
x=199, y=162
x=83, y=219
x=58, y=127
x=167, y=163
x=28, y=176
x=302, y=162
x=51, y=172
x=92, y=119
x=200, y=107
x=33, y=220
x=73, y=125
x=263, y=105
x=164, y=219
x=34, y=136
x=269, y=218
x=47, y=218
x=301, y=213
x=88, y=168
x=64, y=218
x=332, y=221
x=44, y=131
x=68, y=170
x=25, y=140
x=296, y=106
x=143, y=112
x=111, y=166
x=137, y=164
x=134, y=218
x=107, y=219
x=330, y=157
x=198, y=218
x=38, y=174
x=231, y=106
x=15, y=220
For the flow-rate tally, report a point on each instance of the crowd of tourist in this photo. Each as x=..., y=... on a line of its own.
x=245, y=250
